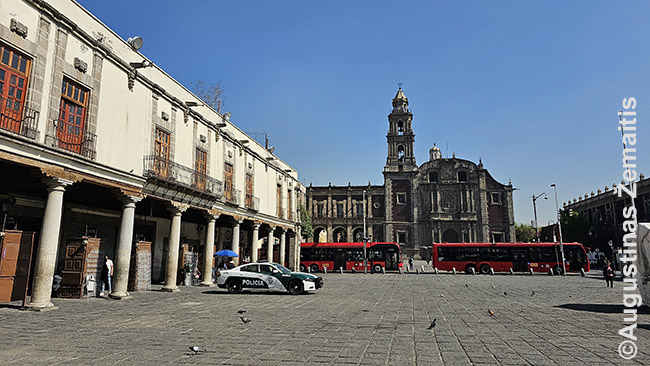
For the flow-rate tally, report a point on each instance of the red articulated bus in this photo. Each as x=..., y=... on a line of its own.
x=501, y=257
x=349, y=256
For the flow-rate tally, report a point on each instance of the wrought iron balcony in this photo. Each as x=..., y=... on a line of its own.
x=252, y=202
x=73, y=138
x=232, y=196
x=171, y=172
x=18, y=119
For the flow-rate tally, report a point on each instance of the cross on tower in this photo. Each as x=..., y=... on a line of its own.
x=399, y=83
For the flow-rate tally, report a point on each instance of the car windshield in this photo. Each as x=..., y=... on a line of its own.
x=281, y=268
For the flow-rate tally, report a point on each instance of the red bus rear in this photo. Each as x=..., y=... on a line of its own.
x=349, y=256
x=501, y=257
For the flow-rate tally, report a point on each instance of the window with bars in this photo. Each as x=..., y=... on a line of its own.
x=289, y=206
x=279, y=201
x=249, y=190
x=200, y=160
x=14, y=75
x=340, y=211
x=161, y=150
x=72, y=116
x=227, y=181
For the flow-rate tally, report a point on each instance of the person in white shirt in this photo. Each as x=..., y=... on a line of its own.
x=107, y=275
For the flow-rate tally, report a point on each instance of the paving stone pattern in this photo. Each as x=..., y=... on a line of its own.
x=356, y=319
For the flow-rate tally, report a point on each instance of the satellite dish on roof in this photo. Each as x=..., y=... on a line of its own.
x=271, y=149
x=135, y=42
x=227, y=116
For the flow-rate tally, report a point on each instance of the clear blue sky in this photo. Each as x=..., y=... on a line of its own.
x=532, y=87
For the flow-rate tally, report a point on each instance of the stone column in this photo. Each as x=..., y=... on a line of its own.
x=222, y=238
x=48, y=244
x=283, y=238
x=255, y=243
x=296, y=249
x=209, y=250
x=124, y=245
x=235, y=240
x=269, y=249
x=174, y=245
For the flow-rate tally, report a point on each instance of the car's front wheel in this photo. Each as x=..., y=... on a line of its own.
x=234, y=286
x=296, y=288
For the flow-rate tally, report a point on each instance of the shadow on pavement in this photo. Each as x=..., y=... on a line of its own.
x=602, y=308
x=266, y=293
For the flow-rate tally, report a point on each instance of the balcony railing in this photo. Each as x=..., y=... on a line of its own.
x=73, y=138
x=233, y=197
x=171, y=172
x=252, y=202
x=18, y=119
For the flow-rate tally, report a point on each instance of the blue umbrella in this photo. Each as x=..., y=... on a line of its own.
x=226, y=253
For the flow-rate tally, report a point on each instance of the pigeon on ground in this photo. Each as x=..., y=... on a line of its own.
x=196, y=349
x=466, y=285
x=441, y=295
x=532, y=293
x=241, y=311
x=244, y=320
x=494, y=286
x=433, y=324
x=491, y=312
x=505, y=293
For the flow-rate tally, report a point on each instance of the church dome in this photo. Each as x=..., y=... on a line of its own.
x=434, y=153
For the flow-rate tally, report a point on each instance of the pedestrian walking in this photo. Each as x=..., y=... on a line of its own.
x=608, y=273
x=411, y=261
x=197, y=275
x=107, y=275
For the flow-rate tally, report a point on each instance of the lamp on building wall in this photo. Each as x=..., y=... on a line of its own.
x=141, y=65
x=135, y=42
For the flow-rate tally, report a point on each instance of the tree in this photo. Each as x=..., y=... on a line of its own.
x=305, y=222
x=574, y=227
x=212, y=95
x=524, y=233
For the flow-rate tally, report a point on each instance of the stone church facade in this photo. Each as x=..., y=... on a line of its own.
x=442, y=200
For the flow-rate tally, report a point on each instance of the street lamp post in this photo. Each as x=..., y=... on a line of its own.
x=365, y=236
x=535, y=212
x=559, y=224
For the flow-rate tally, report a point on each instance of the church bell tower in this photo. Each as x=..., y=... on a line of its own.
x=400, y=136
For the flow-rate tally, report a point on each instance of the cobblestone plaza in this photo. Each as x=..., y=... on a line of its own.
x=356, y=319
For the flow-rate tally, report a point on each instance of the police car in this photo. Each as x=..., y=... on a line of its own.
x=267, y=277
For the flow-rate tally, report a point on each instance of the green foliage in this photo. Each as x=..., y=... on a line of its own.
x=574, y=227
x=307, y=230
x=524, y=233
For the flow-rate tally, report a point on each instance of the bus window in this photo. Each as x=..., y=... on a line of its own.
x=305, y=254
x=471, y=254
x=547, y=254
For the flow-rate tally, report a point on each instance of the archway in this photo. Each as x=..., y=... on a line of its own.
x=450, y=236
x=320, y=235
x=357, y=235
x=339, y=235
